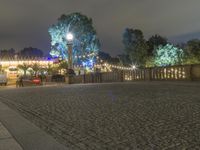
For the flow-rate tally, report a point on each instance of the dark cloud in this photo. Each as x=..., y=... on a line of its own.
x=185, y=37
x=25, y=22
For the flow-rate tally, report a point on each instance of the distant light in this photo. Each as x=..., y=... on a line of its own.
x=70, y=37
x=133, y=67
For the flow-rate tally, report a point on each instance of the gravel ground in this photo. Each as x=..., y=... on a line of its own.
x=120, y=116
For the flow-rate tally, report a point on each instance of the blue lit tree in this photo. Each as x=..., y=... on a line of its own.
x=85, y=44
x=168, y=55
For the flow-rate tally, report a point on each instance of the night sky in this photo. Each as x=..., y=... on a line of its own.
x=25, y=23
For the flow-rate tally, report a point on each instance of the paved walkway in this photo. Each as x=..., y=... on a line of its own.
x=17, y=133
x=7, y=142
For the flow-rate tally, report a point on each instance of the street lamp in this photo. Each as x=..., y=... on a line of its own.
x=70, y=72
x=70, y=37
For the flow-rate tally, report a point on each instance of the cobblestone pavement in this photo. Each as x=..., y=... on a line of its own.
x=120, y=116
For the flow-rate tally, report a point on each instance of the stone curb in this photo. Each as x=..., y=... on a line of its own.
x=25, y=133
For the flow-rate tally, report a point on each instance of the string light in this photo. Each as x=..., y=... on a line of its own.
x=88, y=55
x=110, y=66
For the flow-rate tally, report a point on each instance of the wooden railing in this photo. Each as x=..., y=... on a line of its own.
x=98, y=77
x=186, y=72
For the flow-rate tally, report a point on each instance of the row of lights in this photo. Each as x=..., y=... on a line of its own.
x=26, y=62
x=84, y=56
x=117, y=67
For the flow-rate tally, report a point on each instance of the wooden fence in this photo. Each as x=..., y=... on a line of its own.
x=186, y=72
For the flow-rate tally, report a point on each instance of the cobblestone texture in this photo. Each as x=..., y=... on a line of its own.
x=121, y=116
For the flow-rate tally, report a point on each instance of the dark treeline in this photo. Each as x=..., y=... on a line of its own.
x=26, y=52
x=154, y=51
x=157, y=50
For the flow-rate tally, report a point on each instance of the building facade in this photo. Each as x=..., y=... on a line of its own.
x=10, y=65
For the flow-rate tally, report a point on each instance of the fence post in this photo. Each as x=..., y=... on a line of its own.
x=84, y=78
x=195, y=72
x=188, y=72
x=69, y=79
x=121, y=76
x=147, y=74
x=100, y=76
x=92, y=76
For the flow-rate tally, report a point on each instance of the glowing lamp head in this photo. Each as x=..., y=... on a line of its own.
x=69, y=37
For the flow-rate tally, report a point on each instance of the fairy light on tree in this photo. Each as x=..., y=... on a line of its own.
x=168, y=55
x=85, y=41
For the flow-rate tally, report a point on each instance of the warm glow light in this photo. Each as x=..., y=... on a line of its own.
x=133, y=67
x=70, y=36
x=16, y=63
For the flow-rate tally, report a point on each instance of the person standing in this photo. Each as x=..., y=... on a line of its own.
x=21, y=84
x=17, y=81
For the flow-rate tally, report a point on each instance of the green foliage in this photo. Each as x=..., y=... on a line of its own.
x=191, y=59
x=36, y=68
x=49, y=69
x=192, y=52
x=24, y=67
x=135, y=46
x=85, y=38
x=156, y=51
x=63, y=65
x=155, y=41
x=193, y=48
x=168, y=55
x=150, y=62
x=124, y=59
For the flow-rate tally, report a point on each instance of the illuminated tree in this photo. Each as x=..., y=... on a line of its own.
x=168, y=55
x=85, y=44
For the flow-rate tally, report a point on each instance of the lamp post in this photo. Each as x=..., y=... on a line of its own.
x=69, y=38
